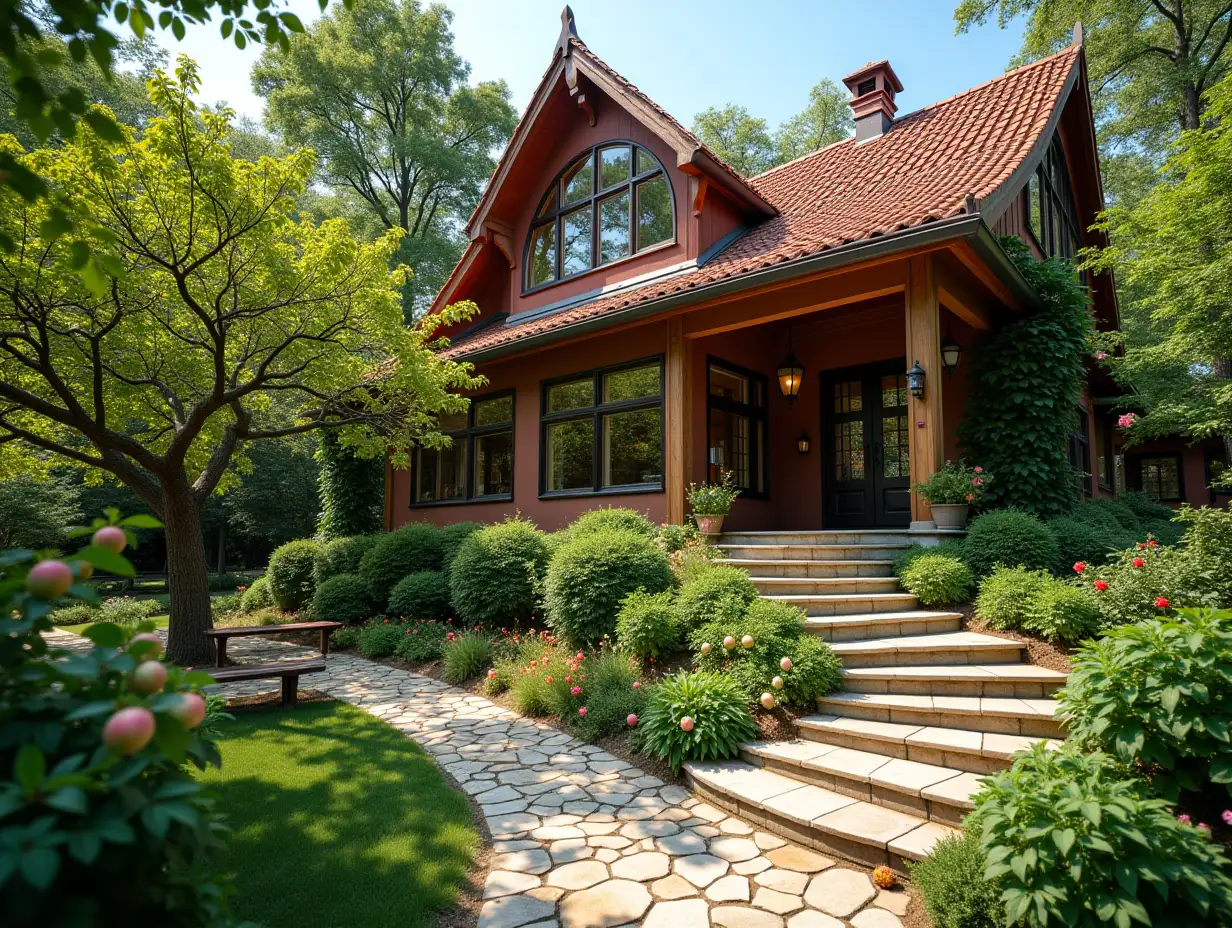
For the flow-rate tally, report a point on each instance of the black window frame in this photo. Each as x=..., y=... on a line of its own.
x=743, y=409
x=1210, y=460
x=592, y=202
x=595, y=412
x=468, y=435
x=1080, y=450
x=1050, y=186
x=1140, y=459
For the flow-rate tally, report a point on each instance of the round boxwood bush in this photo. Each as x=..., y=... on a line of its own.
x=713, y=591
x=1059, y=610
x=257, y=596
x=1006, y=593
x=405, y=550
x=647, y=623
x=290, y=574
x=421, y=595
x=938, y=579
x=907, y=557
x=589, y=576
x=342, y=598
x=1011, y=537
x=611, y=519
x=452, y=537
x=341, y=556
x=496, y=577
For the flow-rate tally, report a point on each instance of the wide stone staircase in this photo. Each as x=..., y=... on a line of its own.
x=888, y=765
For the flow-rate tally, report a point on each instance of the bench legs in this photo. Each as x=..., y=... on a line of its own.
x=222, y=652
x=325, y=641
x=290, y=689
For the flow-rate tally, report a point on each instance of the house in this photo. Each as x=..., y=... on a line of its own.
x=648, y=317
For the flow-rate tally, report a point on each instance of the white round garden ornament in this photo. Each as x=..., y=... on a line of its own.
x=706, y=647
x=785, y=663
x=747, y=641
x=777, y=683
x=767, y=700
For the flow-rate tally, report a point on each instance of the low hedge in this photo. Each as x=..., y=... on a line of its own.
x=1011, y=537
x=938, y=579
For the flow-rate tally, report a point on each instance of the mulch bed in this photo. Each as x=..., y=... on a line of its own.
x=1040, y=651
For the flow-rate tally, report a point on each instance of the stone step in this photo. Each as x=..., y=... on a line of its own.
x=1034, y=718
x=818, y=552
x=943, y=648
x=932, y=792
x=838, y=537
x=1024, y=681
x=822, y=586
x=883, y=624
x=773, y=567
x=962, y=749
x=816, y=817
x=822, y=604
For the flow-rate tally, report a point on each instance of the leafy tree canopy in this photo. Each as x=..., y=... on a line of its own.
x=380, y=94
x=37, y=513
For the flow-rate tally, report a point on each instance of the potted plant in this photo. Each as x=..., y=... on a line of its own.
x=952, y=490
x=711, y=502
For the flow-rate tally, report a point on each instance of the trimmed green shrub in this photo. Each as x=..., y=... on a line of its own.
x=342, y=598
x=124, y=610
x=1011, y=537
x=380, y=639
x=938, y=579
x=1075, y=842
x=714, y=591
x=951, y=879
x=345, y=639
x=647, y=623
x=452, y=537
x=1158, y=695
x=406, y=550
x=422, y=640
x=1082, y=541
x=466, y=656
x=341, y=556
x=589, y=576
x=907, y=557
x=422, y=595
x=598, y=521
x=290, y=574
x=496, y=577
x=76, y=614
x=257, y=596
x=1005, y=594
x=719, y=714
x=1062, y=611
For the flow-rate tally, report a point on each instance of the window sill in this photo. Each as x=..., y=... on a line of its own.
x=607, y=491
x=432, y=504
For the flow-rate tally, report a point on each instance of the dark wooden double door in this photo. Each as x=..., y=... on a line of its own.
x=866, y=463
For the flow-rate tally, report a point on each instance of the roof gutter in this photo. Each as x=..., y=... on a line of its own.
x=964, y=227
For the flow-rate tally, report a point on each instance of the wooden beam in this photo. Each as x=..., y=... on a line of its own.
x=926, y=425
x=679, y=418
x=699, y=198
x=959, y=297
x=964, y=253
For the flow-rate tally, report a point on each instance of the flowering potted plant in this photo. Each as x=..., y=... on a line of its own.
x=952, y=490
x=711, y=502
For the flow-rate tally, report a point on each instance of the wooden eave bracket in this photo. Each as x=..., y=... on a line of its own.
x=501, y=235
x=577, y=84
x=699, y=198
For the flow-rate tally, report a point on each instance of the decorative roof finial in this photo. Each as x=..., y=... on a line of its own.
x=1078, y=37
x=568, y=30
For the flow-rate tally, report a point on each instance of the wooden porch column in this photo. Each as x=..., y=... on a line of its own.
x=924, y=345
x=679, y=418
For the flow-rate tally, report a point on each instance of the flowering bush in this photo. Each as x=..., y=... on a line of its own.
x=422, y=640
x=695, y=716
x=955, y=484
x=672, y=538
x=713, y=499
x=380, y=637
x=1126, y=589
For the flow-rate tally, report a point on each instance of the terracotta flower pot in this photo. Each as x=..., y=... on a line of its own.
x=950, y=515
x=710, y=525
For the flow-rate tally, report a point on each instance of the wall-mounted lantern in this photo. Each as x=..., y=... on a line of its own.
x=915, y=380
x=951, y=352
x=803, y=443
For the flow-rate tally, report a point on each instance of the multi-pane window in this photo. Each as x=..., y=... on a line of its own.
x=849, y=430
x=1104, y=463
x=1160, y=476
x=1080, y=450
x=612, y=201
x=1051, y=213
x=479, y=462
x=895, y=436
x=737, y=427
x=604, y=431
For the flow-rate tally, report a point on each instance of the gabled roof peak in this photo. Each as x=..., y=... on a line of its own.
x=568, y=31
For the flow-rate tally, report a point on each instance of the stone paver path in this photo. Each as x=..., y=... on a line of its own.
x=580, y=838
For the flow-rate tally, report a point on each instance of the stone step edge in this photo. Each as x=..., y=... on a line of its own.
x=879, y=618
x=883, y=732
x=998, y=705
x=819, y=547
x=943, y=643
x=795, y=598
x=933, y=673
x=777, y=561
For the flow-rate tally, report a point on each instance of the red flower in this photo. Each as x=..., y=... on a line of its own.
x=1139, y=562
x=1153, y=543
x=977, y=481
x=576, y=691
x=547, y=679
x=1161, y=602
x=1080, y=567
x=1101, y=585
x=979, y=470
x=450, y=636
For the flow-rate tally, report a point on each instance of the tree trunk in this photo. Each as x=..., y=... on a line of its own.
x=222, y=549
x=188, y=580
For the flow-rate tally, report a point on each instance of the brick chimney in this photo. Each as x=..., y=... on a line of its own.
x=873, y=88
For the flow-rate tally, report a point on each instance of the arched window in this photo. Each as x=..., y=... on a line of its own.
x=612, y=201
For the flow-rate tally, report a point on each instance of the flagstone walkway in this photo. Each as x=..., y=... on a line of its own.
x=580, y=838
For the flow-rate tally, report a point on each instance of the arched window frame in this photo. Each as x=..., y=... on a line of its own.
x=592, y=201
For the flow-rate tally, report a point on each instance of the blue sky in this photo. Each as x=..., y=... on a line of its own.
x=688, y=56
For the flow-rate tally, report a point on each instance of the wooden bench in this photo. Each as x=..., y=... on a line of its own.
x=289, y=671
x=222, y=635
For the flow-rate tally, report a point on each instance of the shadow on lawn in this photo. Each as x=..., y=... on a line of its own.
x=337, y=819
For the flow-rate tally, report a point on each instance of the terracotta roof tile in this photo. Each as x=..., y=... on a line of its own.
x=921, y=170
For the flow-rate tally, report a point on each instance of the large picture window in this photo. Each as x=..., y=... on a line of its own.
x=479, y=463
x=1051, y=213
x=603, y=431
x=737, y=427
x=612, y=201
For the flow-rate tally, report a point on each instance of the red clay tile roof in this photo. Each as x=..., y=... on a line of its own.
x=921, y=170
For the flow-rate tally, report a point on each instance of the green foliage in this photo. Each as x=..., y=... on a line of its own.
x=739, y=138
x=1073, y=842
x=1006, y=594
x=712, y=591
x=721, y=720
x=34, y=513
x=951, y=879
x=938, y=579
x=257, y=596
x=342, y=598
x=647, y=623
x=422, y=640
x=345, y=639
x=956, y=484
x=1158, y=695
x=1063, y=611
x=1026, y=377
x=290, y=574
x=124, y=610
x=468, y=655
x=514, y=652
x=422, y=595
x=826, y=119
x=713, y=499
x=381, y=638
x=1082, y=541
x=906, y=558
x=76, y=614
x=589, y=576
x=276, y=501
x=1011, y=537
x=497, y=575
x=341, y=556
x=611, y=519
x=351, y=490
x=407, y=550
x=452, y=536
x=672, y=538
x=608, y=694
x=1208, y=543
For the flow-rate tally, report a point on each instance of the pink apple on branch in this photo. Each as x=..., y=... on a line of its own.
x=49, y=580
x=129, y=730
x=149, y=677
x=112, y=538
x=152, y=653
x=191, y=710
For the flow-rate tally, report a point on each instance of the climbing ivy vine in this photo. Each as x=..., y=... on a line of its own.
x=352, y=490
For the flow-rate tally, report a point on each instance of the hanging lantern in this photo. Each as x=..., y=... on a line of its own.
x=791, y=373
x=951, y=352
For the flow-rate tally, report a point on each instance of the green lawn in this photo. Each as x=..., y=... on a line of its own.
x=337, y=819
x=160, y=621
